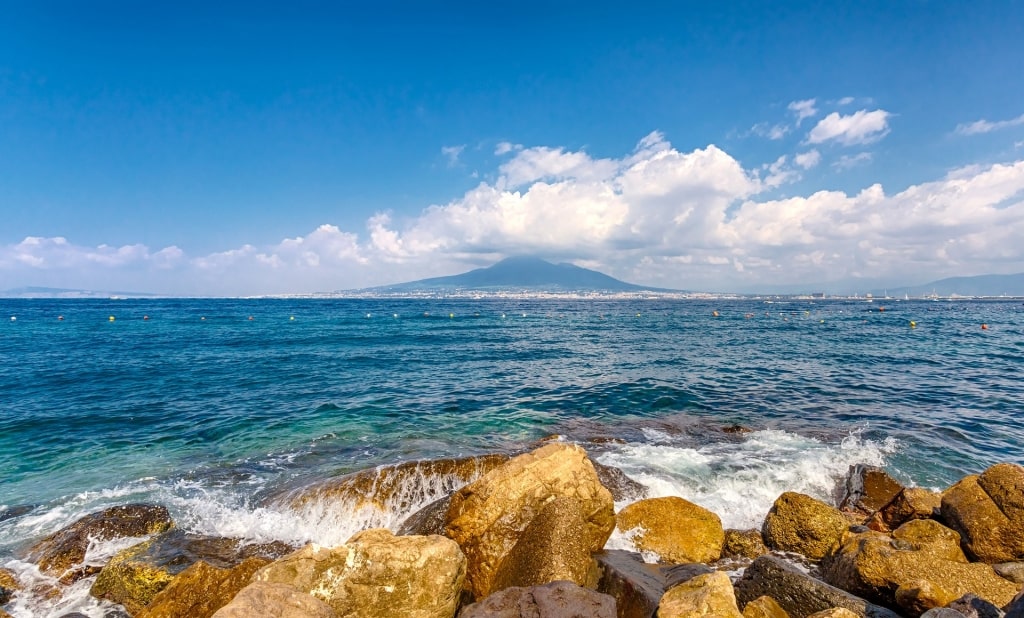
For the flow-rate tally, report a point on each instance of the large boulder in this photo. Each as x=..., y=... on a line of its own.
x=988, y=512
x=797, y=592
x=919, y=596
x=744, y=543
x=487, y=517
x=636, y=586
x=277, y=600
x=704, y=595
x=553, y=547
x=61, y=551
x=875, y=565
x=554, y=600
x=835, y=612
x=675, y=529
x=377, y=574
x=201, y=589
x=802, y=524
x=764, y=607
x=910, y=503
x=868, y=488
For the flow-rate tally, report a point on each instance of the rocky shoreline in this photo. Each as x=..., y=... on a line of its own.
x=525, y=536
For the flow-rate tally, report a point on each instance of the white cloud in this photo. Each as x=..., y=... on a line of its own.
x=845, y=101
x=803, y=109
x=808, y=159
x=506, y=147
x=845, y=162
x=985, y=126
x=772, y=132
x=452, y=153
x=862, y=127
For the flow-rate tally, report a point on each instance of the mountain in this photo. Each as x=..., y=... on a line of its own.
x=980, y=285
x=520, y=273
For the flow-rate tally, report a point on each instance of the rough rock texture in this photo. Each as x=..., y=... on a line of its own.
x=764, y=607
x=129, y=579
x=619, y=484
x=398, y=487
x=9, y=584
x=636, y=586
x=801, y=524
x=428, y=520
x=910, y=503
x=553, y=547
x=988, y=512
x=1016, y=607
x=835, y=612
x=875, y=565
x=797, y=592
x=487, y=517
x=554, y=600
x=705, y=595
x=65, y=548
x=675, y=529
x=744, y=543
x=973, y=607
x=868, y=488
x=919, y=596
x=200, y=590
x=277, y=600
x=1013, y=571
x=942, y=612
x=359, y=578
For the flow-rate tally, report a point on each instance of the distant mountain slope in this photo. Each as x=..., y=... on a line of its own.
x=522, y=273
x=980, y=285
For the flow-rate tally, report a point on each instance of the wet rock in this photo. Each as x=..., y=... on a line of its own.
x=554, y=600
x=488, y=516
x=619, y=484
x=553, y=547
x=16, y=511
x=66, y=548
x=835, y=612
x=428, y=520
x=868, y=488
x=942, y=612
x=801, y=524
x=1013, y=571
x=988, y=512
x=201, y=589
x=744, y=543
x=910, y=503
x=636, y=586
x=705, y=595
x=973, y=607
x=764, y=607
x=675, y=529
x=376, y=573
x=797, y=592
x=9, y=584
x=278, y=600
x=736, y=428
x=875, y=565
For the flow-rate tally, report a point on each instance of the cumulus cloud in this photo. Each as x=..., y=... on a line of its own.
x=861, y=127
x=985, y=126
x=803, y=109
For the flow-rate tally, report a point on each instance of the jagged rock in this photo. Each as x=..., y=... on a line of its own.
x=875, y=565
x=675, y=529
x=801, y=524
x=868, y=488
x=277, y=600
x=974, y=607
x=705, y=595
x=359, y=578
x=554, y=600
x=764, y=607
x=135, y=575
x=910, y=503
x=201, y=589
x=488, y=516
x=1013, y=571
x=428, y=520
x=835, y=612
x=553, y=547
x=619, y=484
x=919, y=596
x=400, y=486
x=744, y=543
x=636, y=586
x=988, y=512
x=797, y=592
x=66, y=548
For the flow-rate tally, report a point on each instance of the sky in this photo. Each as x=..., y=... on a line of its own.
x=197, y=148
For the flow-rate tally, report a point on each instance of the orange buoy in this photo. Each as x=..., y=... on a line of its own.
x=984, y=327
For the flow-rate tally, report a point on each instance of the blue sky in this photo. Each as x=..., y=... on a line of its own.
x=254, y=148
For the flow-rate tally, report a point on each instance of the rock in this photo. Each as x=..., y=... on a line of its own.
x=376, y=573
x=66, y=548
x=9, y=584
x=675, y=529
x=135, y=575
x=428, y=520
x=636, y=586
x=973, y=607
x=835, y=612
x=201, y=589
x=919, y=596
x=868, y=488
x=705, y=595
x=988, y=512
x=1016, y=607
x=277, y=600
x=875, y=565
x=942, y=612
x=554, y=600
x=801, y=524
x=744, y=543
x=910, y=503
x=487, y=517
x=797, y=592
x=622, y=487
x=764, y=607
x=553, y=547
x=1013, y=571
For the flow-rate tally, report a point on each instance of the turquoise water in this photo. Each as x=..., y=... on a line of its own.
x=212, y=413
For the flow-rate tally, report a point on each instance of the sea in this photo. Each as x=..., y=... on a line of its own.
x=215, y=407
